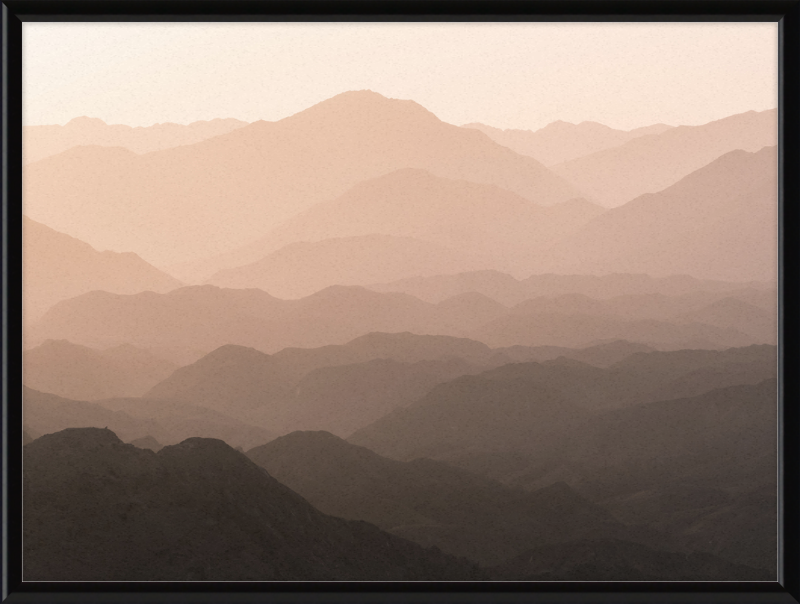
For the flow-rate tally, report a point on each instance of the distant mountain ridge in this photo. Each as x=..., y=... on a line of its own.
x=40, y=142
x=562, y=141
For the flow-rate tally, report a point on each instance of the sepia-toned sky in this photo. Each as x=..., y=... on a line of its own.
x=517, y=75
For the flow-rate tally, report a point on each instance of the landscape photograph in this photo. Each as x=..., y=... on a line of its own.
x=400, y=302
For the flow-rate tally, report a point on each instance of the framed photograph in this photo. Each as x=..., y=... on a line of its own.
x=435, y=301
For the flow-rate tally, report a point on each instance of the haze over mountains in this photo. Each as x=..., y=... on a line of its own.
x=262, y=174
x=552, y=354
x=43, y=141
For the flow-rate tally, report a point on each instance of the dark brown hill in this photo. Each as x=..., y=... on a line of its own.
x=100, y=510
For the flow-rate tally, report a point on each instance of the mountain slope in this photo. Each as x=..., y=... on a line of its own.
x=81, y=373
x=427, y=501
x=719, y=222
x=58, y=267
x=651, y=163
x=264, y=173
x=560, y=141
x=97, y=509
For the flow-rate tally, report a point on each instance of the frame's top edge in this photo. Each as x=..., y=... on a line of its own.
x=468, y=10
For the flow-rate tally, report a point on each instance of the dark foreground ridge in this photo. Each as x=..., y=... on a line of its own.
x=96, y=509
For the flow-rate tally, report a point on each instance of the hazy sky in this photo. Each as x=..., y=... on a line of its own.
x=520, y=75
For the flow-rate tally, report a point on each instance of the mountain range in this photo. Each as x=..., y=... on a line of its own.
x=165, y=204
x=202, y=318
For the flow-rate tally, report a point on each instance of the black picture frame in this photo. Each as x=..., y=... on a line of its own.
x=15, y=12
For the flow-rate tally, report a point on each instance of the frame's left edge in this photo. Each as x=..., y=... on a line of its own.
x=12, y=295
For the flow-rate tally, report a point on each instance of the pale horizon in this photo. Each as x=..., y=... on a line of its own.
x=622, y=75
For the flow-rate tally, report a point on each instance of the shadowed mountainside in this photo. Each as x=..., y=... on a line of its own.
x=58, y=267
x=528, y=406
x=427, y=501
x=617, y=560
x=98, y=509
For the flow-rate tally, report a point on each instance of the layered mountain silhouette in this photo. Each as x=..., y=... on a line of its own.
x=166, y=204
x=650, y=163
x=202, y=318
x=552, y=354
x=301, y=269
x=481, y=220
x=716, y=223
x=343, y=388
x=58, y=267
x=96, y=509
x=427, y=501
x=39, y=142
x=77, y=372
x=530, y=406
x=335, y=388
x=562, y=141
x=168, y=422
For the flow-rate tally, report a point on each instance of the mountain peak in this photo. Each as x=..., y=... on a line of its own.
x=366, y=105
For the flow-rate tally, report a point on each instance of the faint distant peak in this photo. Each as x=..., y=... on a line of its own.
x=86, y=122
